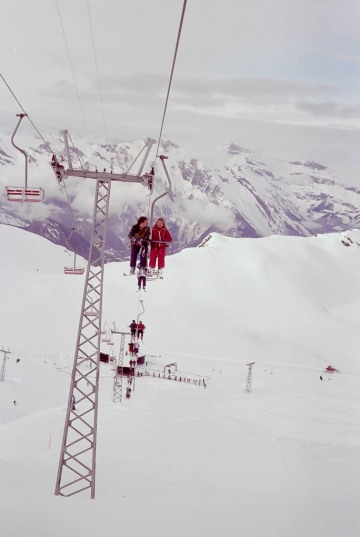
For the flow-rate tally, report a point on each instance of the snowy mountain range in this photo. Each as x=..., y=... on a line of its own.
x=243, y=195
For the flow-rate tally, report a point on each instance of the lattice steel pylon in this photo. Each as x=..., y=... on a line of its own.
x=118, y=375
x=3, y=365
x=249, y=378
x=77, y=464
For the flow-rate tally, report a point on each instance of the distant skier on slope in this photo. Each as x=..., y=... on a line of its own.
x=160, y=238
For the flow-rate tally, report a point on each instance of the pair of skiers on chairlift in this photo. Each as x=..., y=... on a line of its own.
x=140, y=239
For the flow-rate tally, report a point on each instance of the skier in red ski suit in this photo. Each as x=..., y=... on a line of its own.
x=160, y=237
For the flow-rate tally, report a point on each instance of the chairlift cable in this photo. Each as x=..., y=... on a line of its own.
x=97, y=72
x=72, y=69
x=78, y=156
x=171, y=75
x=73, y=221
x=22, y=108
x=48, y=147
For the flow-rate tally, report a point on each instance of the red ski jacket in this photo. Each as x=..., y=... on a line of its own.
x=159, y=235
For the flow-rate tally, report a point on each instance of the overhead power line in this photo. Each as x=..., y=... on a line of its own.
x=23, y=109
x=51, y=151
x=97, y=72
x=72, y=70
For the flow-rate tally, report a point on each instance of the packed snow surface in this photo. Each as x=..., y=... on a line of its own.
x=179, y=459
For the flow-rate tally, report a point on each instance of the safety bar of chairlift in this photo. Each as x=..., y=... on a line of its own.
x=23, y=194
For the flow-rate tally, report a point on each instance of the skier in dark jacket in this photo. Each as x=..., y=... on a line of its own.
x=160, y=238
x=139, y=236
x=133, y=328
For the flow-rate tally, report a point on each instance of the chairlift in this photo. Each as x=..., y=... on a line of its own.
x=74, y=270
x=162, y=158
x=154, y=275
x=91, y=312
x=106, y=339
x=18, y=193
x=102, y=332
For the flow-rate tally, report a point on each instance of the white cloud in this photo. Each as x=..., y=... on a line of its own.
x=243, y=70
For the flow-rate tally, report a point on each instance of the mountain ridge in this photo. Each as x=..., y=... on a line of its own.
x=246, y=195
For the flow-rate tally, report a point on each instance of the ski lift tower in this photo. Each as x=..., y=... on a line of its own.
x=118, y=376
x=249, y=377
x=77, y=464
x=3, y=365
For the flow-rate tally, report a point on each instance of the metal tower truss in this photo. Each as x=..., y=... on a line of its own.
x=77, y=460
x=249, y=377
x=3, y=365
x=76, y=471
x=118, y=376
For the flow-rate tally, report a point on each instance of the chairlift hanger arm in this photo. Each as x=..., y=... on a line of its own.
x=23, y=194
x=21, y=117
x=162, y=158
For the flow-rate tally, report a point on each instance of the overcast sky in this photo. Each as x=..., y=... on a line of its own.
x=276, y=76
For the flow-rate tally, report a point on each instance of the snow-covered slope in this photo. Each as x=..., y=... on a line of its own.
x=178, y=459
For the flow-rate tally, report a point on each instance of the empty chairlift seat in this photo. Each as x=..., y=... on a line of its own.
x=74, y=270
x=24, y=194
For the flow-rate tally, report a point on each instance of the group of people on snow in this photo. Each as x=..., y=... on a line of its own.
x=141, y=237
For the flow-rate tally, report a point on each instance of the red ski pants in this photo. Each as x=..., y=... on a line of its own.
x=159, y=254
